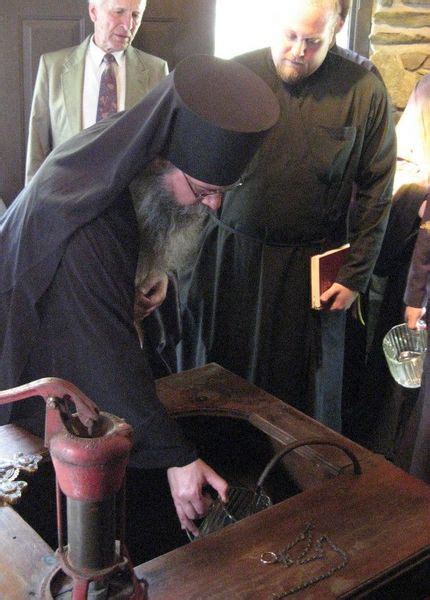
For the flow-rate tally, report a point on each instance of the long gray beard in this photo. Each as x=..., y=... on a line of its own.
x=169, y=232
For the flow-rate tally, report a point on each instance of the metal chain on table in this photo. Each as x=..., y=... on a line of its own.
x=282, y=557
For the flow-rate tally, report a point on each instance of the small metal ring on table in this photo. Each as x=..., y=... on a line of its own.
x=269, y=558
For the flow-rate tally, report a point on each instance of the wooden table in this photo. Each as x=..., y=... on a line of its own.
x=379, y=519
x=25, y=559
x=215, y=392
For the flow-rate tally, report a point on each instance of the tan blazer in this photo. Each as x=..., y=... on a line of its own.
x=56, y=110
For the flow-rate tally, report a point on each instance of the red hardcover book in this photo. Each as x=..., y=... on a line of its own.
x=324, y=270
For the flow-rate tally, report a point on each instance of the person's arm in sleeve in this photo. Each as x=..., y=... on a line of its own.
x=39, y=143
x=375, y=175
x=89, y=310
x=416, y=293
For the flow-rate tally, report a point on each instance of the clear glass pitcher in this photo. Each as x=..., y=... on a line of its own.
x=405, y=351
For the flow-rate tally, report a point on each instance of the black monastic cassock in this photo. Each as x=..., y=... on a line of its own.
x=247, y=299
x=69, y=246
x=57, y=298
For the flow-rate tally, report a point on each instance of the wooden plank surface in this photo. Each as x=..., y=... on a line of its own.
x=214, y=391
x=380, y=519
x=14, y=439
x=25, y=559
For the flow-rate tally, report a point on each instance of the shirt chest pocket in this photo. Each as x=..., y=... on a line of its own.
x=331, y=149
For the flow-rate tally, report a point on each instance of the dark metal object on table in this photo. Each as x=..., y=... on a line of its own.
x=89, y=451
x=244, y=502
x=310, y=442
x=312, y=550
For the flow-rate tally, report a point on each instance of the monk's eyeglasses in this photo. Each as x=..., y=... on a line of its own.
x=200, y=196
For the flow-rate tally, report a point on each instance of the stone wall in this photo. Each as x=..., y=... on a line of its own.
x=400, y=44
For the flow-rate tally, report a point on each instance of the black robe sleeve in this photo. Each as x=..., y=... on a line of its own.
x=87, y=336
x=417, y=287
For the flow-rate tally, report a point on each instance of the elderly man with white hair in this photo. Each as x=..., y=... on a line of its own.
x=66, y=91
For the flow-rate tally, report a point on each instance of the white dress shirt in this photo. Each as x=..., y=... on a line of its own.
x=93, y=71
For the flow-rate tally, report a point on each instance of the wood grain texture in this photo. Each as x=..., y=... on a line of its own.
x=377, y=518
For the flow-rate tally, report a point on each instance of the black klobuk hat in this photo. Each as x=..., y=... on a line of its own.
x=224, y=112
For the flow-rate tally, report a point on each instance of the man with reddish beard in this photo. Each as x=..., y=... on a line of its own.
x=70, y=244
x=247, y=302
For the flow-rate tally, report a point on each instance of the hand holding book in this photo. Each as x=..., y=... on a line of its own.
x=325, y=292
x=338, y=297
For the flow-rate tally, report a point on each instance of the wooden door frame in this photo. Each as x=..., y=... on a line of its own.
x=360, y=25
